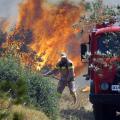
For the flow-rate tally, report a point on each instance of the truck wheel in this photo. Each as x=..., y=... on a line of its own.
x=104, y=112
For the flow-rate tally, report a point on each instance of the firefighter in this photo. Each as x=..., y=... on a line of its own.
x=66, y=69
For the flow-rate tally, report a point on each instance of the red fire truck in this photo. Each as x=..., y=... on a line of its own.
x=103, y=56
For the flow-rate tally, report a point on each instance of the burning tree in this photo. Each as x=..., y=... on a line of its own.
x=51, y=30
x=97, y=14
x=43, y=31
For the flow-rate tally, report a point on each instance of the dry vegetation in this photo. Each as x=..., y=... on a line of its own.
x=29, y=114
x=19, y=112
x=81, y=111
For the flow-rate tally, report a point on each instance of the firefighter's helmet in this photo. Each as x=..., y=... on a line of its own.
x=63, y=55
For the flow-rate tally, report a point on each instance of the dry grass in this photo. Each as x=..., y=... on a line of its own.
x=4, y=104
x=29, y=114
x=26, y=113
x=80, y=111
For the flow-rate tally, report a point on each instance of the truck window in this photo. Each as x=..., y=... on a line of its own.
x=109, y=43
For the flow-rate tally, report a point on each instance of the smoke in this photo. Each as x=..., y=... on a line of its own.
x=75, y=2
x=59, y=1
x=112, y=2
x=9, y=10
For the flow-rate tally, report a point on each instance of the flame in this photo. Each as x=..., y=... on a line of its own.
x=4, y=24
x=51, y=26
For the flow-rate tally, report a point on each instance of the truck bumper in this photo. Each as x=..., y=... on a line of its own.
x=105, y=98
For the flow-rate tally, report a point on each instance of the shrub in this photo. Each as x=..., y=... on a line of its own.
x=13, y=79
x=43, y=94
x=26, y=86
x=3, y=114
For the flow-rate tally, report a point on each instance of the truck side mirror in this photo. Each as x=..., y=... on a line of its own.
x=84, y=49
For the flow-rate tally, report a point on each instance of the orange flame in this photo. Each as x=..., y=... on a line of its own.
x=52, y=30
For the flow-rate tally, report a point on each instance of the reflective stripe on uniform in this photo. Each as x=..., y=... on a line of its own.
x=63, y=68
x=71, y=67
x=57, y=67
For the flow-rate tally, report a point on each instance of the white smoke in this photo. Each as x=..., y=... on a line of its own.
x=76, y=2
x=9, y=10
x=59, y=1
x=111, y=2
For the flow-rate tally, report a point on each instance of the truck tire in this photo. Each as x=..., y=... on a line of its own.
x=104, y=112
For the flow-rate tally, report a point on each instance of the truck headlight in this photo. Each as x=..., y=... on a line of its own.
x=104, y=86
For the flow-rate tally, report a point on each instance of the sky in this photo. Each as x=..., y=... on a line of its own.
x=9, y=8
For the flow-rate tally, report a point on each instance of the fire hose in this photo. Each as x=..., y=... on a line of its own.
x=51, y=76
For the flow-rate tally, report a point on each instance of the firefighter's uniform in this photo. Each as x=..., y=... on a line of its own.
x=66, y=76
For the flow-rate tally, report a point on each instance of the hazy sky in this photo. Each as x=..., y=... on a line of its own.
x=10, y=7
x=112, y=2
